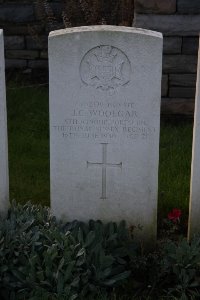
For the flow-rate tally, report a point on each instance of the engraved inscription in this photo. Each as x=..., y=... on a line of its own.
x=105, y=122
x=105, y=68
x=104, y=164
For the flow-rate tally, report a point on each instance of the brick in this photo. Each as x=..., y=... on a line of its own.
x=17, y=12
x=188, y=6
x=164, y=85
x=14, y=1
x=172, y=45
x=15, y=63
x=44, y=54
x=184, y=80
x=38, y=64
x=10, y=29
x=22, y=54
x=179, y=63
x=190, y=45
x=41, y=42
x=182, y=92
x=155, y=6
x=174, y=106
x=14, y=42
x=183, y=25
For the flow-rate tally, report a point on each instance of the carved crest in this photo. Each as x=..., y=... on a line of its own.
x=105, y=68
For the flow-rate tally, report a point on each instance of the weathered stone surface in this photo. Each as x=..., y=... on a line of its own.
x=172, y=45
x=164, y=85
x=40, y=43
x=38, y=64
x=175, y=106
x=14, y=12
x=184, y=80
x=155, y=6
x=14, y=42
x=182, y=92
x=183, y=25
x=194, y=211
x=190, y=45
x=179, y=64
x=4, y=181
x=15, y=63
x=105, y=90
x=22, y=54
x=188, y=6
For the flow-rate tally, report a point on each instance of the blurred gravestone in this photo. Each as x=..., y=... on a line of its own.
x=105, y=84
x=4, y=184
x=194, y=211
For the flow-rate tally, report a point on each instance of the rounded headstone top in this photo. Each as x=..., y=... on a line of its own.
x=107, y=28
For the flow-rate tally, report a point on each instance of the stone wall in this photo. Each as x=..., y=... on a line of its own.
x=26, y=32
x=179, y=21
x=24, y=35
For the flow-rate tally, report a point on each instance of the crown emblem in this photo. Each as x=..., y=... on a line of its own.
x=106, y=54
x=105, y=68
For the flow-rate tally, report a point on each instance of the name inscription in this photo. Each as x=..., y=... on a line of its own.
x=104, y=121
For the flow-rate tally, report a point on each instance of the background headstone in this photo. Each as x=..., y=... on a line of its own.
x=194, y=210
x=4, y=184
x=105, y=89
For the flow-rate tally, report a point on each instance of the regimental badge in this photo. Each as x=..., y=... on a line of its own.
x=105, y=67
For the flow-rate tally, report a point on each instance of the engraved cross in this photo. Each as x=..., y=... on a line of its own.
x=104, y=164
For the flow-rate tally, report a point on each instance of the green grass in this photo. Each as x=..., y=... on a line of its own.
x=28, y=137
x=29, y=152
x=175, y=165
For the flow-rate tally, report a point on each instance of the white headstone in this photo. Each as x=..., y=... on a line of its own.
x=194, y=211
x=4, y=184
x=105, y=84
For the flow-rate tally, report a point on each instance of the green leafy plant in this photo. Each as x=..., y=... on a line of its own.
x=42, y=258
x=180, y=268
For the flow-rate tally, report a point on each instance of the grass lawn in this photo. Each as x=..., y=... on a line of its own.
x=28, y=141
x=174, y=166
x=29, y=152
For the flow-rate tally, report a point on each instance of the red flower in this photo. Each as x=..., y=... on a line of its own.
x=174, y=215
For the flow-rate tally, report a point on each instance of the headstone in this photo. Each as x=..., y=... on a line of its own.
x=194, y=210
x=4, y=184
x=105, y=89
